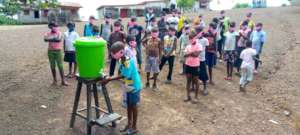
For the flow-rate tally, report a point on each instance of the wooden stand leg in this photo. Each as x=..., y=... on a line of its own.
x=108, y=103
x=88, y=113
x=75, y=106
x=96, y=100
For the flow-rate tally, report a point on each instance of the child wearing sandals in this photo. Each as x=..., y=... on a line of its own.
x=133, y=85
x=204, y=42
x=69, y=37
x=192, y=63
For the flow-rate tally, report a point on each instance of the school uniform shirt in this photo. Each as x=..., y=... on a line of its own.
x=105, y=31
x=168, y=44
x=204, y=43
x=88, y=30
x=230, y=41
x=130, y=52
x=173, y=22
x=257, y=38
x=131, y=76
x=54, y=45
x=69, y=38
x=148, y=18
x=183, y=41
x=247, y=57
x=192, y=61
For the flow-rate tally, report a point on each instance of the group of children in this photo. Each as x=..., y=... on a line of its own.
x=197, y=47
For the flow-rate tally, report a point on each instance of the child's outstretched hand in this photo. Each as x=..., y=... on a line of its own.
x=105, y=80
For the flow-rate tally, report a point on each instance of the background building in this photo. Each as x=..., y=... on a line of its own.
x=126, y=9
x=66, y=11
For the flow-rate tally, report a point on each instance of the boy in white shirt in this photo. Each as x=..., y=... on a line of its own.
x=69, y=37
x=247, y=67
x=173, y=20
x=229, y=48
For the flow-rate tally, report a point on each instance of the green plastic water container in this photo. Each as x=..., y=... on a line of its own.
x=90, y=56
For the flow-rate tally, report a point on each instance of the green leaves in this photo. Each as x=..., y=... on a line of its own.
x=46, y=4
x=185, y=4
x=8, y=21
x=13, y=7
x=10, y=7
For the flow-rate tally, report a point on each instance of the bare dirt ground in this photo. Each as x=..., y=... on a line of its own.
x=25, y=85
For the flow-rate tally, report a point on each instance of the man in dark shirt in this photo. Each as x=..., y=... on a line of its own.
x=114, y=37
x=162, y=26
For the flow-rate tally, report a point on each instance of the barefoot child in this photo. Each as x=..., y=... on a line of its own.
x=183, y=42
x=132, y=82
x=192, y=63
x=54, y=38
x=153, y=48
x=244, y=35
x=69, y=37
x=169, y=48
x=229, y=48
x=247, y=66
x=204, y=42
x=211, y=50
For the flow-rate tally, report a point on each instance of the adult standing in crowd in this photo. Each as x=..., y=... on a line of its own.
x=149, y=16
x=88, y=28
x=162, y=26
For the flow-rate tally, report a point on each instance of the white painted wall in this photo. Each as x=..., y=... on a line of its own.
x=30, y=18
x=156, y=4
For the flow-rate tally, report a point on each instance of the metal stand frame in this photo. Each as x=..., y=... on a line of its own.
x=108, y=117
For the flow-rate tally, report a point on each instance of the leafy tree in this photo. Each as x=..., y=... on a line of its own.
x=185, y=4
x=10, y=7
x=46, y=4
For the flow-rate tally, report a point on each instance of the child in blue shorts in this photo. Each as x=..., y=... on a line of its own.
x=133, y=85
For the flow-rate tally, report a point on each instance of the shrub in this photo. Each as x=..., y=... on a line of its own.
x=8, y=21
x=242, y=5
